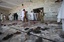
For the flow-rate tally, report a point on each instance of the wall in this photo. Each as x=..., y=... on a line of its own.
x=5, y=12
x=50, y=7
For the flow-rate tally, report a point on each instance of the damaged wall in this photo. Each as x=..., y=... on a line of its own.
x=50, y=7
x=5, y=12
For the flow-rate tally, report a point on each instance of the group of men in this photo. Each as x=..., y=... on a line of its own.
x=60, y=15
x=22, y=16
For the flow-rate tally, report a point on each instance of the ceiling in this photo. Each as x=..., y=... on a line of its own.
x=9, y=4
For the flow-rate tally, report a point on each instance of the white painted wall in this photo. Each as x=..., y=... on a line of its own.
x=49, y=6
x=5, y=12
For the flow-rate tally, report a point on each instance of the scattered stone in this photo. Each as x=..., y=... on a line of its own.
x=1, y=33
x=38, y=28
x=9, y=24
x=4, y=24
x=7, y=37
x=59, y=40
x=17, y=32
x=0, y=40
x=30, y=28
x=28, y=33
x=36, y=31
x=26, y=28
x=14, y=23
x=56, y=40
x=44, y=28
x=61, y=34
x=1, y=24
x=39, y=39
x=46, y=23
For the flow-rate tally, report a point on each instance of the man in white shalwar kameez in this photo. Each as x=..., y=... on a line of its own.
x=32, y=15
x=22, y=15
x=10, y=17
x=1, y=17
x=61, y=15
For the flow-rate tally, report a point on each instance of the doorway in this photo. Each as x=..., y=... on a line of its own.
x=39, y=13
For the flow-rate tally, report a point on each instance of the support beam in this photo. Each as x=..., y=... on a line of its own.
x=10, y=3
x=5, y=7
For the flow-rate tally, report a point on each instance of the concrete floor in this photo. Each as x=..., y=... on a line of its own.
x=10, y=27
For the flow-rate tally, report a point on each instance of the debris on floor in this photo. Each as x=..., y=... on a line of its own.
x=12, y=33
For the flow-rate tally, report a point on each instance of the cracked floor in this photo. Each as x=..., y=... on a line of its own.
x=11, y=27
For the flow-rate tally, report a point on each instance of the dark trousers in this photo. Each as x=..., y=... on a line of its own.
x=15, y=17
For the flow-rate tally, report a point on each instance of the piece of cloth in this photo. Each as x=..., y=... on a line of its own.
x=62, y=24
x=61, y=12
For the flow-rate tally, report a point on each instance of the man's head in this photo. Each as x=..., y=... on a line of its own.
x=23, y=9
x=1, y=13
x=31, y=11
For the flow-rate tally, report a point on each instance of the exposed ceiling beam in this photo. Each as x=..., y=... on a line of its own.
x=10, y=3
x=5, y=7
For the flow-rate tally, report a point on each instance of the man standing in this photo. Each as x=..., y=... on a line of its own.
x=25, y=19
x=15, y=16
x=24, y=15
x=61, y=15
x=41, y=16
x=32, y=15
x=1, y=17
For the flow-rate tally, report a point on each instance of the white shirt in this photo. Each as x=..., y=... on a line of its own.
x=32, y=15
x=61, y=12
x=22, y=14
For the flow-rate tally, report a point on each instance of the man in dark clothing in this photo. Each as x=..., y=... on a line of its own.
x=15, y=16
